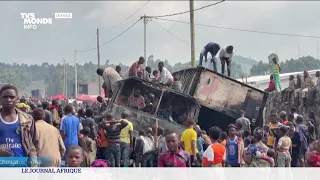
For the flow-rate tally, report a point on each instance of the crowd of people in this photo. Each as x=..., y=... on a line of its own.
x=83, y=136
x=161, y=75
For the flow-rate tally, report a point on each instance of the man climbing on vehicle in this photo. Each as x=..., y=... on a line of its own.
x=213, y=48
x=226, y=58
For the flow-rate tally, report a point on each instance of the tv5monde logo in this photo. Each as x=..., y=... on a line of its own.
x=30, y=21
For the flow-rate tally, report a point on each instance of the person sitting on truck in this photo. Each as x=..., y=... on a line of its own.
x=271, y=87
x=308, y=86
x=136, y=100
x=213, y=48
x=165, y=77
x=298, y=87
x=177, y=85
x=149, y=103
x=286, y=93
x=155, y=74
x=226, y=58
x=118, y=69
x=136, y=68
x=147, y=73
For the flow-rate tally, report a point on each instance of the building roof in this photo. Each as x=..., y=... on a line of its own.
x=266, y=78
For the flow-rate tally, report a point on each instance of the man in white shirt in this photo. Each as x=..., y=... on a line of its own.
x=165, y=77
x=226, y=58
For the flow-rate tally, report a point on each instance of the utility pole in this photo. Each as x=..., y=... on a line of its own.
x=318, y=50
x=193, y=57
x=298, y=51
x=66, y=85
x=145, y=21
x=98, y=61
x=75, y=75
x=64, y=77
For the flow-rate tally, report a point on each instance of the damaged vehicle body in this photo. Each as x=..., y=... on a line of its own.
x=148, y=102
x=221, y=98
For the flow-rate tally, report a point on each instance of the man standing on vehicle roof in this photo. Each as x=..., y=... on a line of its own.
x=226, y=58
x=213, y=48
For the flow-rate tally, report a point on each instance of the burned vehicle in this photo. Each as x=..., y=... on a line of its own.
x=147, y=102
x=221, y=98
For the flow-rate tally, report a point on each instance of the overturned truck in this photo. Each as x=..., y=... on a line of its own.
x=221, y=98
x=167, y=106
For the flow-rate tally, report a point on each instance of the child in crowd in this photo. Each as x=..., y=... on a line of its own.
x=86, y=143
x=260, y=154
x=75, y=156
x=222, y=138
x=99, y=163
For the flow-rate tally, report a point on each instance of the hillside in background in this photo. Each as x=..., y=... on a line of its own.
x=246, y=63
x=49, y=77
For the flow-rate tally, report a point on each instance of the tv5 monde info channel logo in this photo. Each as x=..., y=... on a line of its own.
x=31, y=21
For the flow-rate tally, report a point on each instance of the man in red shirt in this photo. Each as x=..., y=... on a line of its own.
x=136, y=68
x=175, y=157
x=271, y=85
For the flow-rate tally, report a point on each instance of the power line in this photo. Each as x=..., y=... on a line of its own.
x=184, y=12
x=89, y=44
x=113, y=38
x=237, y=29
x=171, y=33
x=127, y=17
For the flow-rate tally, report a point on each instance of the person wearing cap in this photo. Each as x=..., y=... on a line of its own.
x=51, y=146
x=234, y=148
x=213, y=48
x=226, y=58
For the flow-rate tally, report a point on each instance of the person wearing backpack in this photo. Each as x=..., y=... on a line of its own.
x=89, y=122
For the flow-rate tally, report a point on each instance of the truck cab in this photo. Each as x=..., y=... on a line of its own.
x=147, y=102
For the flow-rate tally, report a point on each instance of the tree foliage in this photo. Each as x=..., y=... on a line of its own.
x=292, y=65
x=23, y=75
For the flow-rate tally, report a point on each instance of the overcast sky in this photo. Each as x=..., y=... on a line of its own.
x=54, y=42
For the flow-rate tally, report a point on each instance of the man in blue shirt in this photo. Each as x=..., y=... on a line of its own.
x=234, y=147
x=70, y=127
x=213, y=48
x=17, y=130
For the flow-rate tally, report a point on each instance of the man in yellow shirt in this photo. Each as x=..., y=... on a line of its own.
x=188, y=142
x=273, y=126
x=126, y=140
